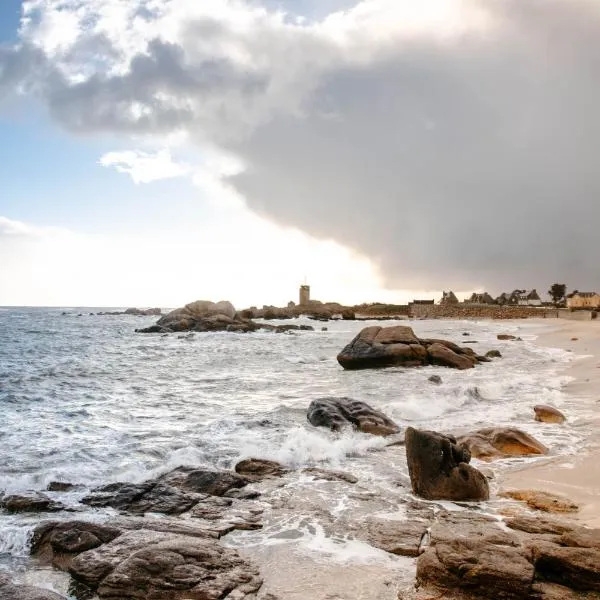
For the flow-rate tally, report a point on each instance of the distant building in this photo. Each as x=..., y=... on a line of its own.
x=448, y=299
x=588, y=300
x=520, y=298
x=304, y=295
x=484, y=298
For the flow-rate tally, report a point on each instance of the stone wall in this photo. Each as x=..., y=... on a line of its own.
x=483, y=311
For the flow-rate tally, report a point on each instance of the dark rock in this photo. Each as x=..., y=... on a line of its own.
x=258, y=468
x=204, y=481
x=150, y=496
x=57, y=542
x=435, y=379
x=499, y=442
x=493, y=354
x=576, y=568
x=30, y=502
x=438, y=468
x=60, y=486
x=144, y=312
x=377, y=347
x=336, y=413
x=506, y=337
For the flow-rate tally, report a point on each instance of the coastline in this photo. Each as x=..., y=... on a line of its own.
x=576, y=476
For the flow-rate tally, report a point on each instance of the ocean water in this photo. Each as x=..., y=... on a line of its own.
x=84, y=399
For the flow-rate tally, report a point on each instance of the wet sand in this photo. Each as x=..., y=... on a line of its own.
x=576, y=476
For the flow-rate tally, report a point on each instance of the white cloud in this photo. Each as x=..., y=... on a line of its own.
x=144, y=167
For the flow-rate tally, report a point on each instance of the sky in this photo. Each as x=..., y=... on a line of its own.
x=155, y=152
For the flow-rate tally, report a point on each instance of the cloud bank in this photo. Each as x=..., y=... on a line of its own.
x=453, y=142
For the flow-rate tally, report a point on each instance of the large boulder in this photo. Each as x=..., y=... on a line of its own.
x=377, y=347
x=148, y=559
x=337, y=413
x=501, y=442
x=439, y=468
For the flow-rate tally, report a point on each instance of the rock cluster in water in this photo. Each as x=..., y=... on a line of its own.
x=376, y=347
x=204, y=315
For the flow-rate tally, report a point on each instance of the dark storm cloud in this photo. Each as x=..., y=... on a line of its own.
x=452, y=165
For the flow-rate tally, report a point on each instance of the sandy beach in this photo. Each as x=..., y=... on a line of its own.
x=576, y=476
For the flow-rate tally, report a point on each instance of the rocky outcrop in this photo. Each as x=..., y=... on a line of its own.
x=136, y=312
x=548, y=414
x=473, y=556
x=543, y=501
x=493, y=354
x=201, y=315
x=501, y=442
x=508, y=337
x=174, y=493
x=377, y=347
x=337, y=413
x=146, y=559
x=439, y=468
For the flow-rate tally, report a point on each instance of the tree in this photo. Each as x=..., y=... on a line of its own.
x=557, y=292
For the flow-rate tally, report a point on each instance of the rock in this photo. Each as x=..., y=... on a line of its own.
x=145, y=561
x=56, y=542
x=396, y=537
x=493, y=354
x=538, y=524
x=506, y=336
x=543, y=501
x=548, y=414
x=576, y=568
x=30, y=502
x=376, y=347
x=141, y=498
x=258, y=468
x=470, y=555
x=337, y=413
x=204, y=481
x=26, y=592
x=439, y=468
x=141, y=312
x=442, y=355
x=499, y=442
x=60, y=486
x=330, y=475
x=435, y=379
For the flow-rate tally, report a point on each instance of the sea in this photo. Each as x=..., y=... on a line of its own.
x=85, y=399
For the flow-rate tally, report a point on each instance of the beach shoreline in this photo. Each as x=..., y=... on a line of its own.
x=577, y=475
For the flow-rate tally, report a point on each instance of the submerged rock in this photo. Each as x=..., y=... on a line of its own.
x=435, y=379
x=499, y=442
x=377, y=347
x=493, y=354
x=548, y=414
x=10, y=591
x=439, y=468
x=337, y=413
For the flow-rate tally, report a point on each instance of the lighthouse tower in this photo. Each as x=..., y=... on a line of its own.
x=304, y=295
